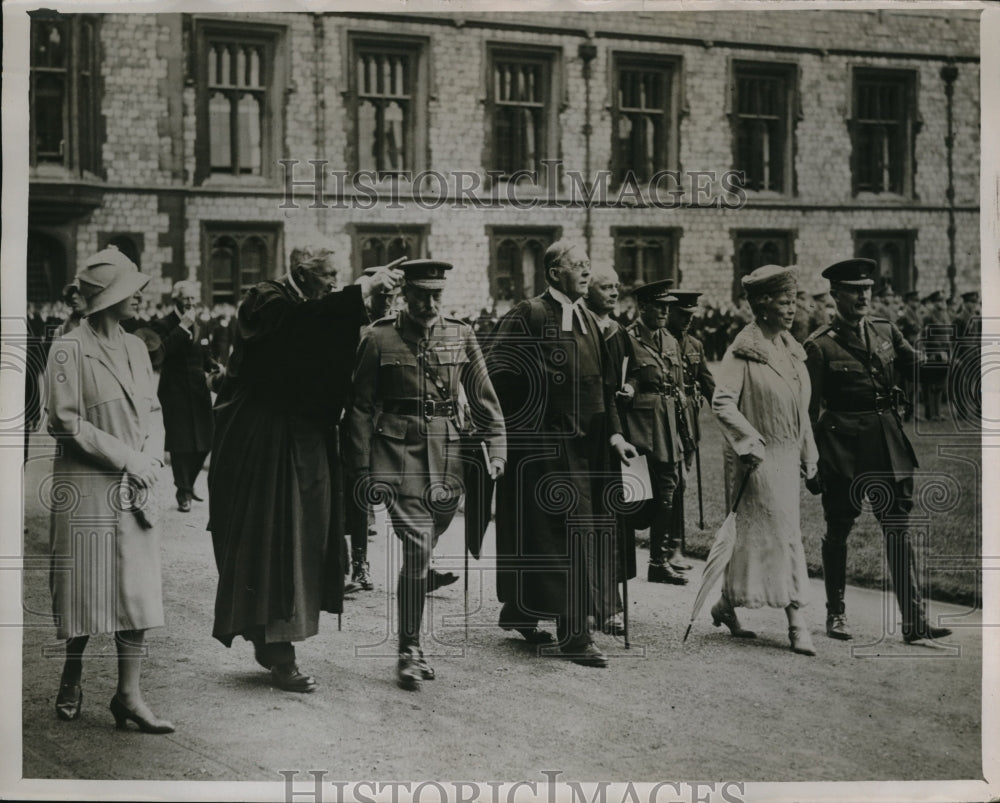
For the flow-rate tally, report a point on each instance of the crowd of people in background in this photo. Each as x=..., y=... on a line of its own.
x=943, y=326
x=316, y=403
x=715, y=323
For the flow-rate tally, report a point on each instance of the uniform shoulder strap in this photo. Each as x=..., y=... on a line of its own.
x=819, y=333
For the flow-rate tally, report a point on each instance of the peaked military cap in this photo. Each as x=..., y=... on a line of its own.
x=972, y=295
x=428, y=274
x=910, y=295
x=686, y=299
x=937, y=295
x=655, y=291
x=855, y=272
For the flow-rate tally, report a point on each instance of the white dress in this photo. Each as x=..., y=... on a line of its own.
x=762, y=394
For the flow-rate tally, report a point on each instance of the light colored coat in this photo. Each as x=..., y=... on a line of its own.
x=105, y=565
x=761, y=399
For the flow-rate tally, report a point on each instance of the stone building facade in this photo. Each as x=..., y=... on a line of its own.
x=693, y=145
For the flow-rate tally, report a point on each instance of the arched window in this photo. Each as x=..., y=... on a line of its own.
x=516, y=254
x=237, y=258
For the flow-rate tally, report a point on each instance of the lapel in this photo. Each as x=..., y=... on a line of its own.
x=91, y=349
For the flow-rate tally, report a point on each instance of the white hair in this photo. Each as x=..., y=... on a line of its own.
x=186, y=287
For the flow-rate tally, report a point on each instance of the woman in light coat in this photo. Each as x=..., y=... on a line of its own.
x=105, y=549
x=762, y=402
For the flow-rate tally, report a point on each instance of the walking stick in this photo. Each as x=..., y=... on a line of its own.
x=466, y=551
x=625, y=605
x=701, y=506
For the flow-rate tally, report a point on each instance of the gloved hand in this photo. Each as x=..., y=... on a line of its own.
x=143, y=468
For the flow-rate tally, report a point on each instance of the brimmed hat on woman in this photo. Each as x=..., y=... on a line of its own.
x=770, y=280
x=107, y=278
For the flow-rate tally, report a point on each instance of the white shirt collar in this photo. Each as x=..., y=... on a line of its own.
x=295, y=287
x=562, y=298
x=569, y=309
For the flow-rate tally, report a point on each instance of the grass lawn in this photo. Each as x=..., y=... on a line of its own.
x=947, y=509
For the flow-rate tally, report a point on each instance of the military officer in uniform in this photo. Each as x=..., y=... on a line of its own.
x=656, y=420
x=699, y=384
x=862, y=447
x=964, y=382
x=910, y=323
x=403, y=433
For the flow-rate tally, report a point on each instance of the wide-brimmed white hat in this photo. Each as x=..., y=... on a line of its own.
x=107, y=278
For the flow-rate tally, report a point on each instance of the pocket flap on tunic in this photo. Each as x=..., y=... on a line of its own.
x=390, y=426
x=388, y=358
x=846, y=365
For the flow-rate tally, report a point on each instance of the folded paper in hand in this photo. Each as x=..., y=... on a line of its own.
x=635, y=479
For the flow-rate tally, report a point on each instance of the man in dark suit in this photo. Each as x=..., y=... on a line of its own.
x=402, y=432
x=861, y=443
x=184, y=391
x=699, y=385
x=550, y=368
x=601, y=298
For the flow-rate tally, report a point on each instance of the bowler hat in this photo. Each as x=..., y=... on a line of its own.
x=855, y=272
x=655, y=291
x=107, y=278
x=428, y=274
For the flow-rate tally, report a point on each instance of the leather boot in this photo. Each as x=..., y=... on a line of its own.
x=411, y=667
x=665, y=573
x=359, y=570
x=676, y=559
x=835, y=579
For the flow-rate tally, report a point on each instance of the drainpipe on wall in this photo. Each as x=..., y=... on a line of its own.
x=319, y=80
x=949, y=73
x=587, y=53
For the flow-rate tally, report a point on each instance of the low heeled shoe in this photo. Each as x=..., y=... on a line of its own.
x=436, y=580
x=585, y=654
x=724, y=615
x=288, y=678
x=836, y=627
x=925, y=633
x=801, y=640
x=411, y=668
x=151, y=724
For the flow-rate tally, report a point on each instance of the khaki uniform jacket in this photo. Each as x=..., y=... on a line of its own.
x=398, y=362
x=657, y=375
x=699, y=383
x=851, y=408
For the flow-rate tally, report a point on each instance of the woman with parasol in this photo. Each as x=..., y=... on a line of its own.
x=762, y=403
